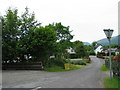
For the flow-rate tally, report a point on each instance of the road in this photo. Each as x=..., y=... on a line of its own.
x=88, y=77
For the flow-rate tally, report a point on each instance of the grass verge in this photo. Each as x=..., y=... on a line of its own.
x=104, y=68
x=111, y=83
x=60, y=69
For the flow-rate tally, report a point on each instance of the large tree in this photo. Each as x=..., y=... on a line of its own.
x=43, y=43
x=28, y=25
x=80, y=49
x=10, y=26
x=63, y=38
x=23, y=35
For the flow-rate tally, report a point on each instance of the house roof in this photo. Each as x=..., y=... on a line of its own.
x=97, y=46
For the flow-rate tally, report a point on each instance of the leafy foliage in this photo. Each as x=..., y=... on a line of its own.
x=79, y=63
x=23, y=35
x=115, y=66
x=10, y=26
x=112, y=46
x=80, y=49
x=117, y=58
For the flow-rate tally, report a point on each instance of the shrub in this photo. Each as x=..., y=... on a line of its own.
x=113, y=53
x=116, y=68
x=57, y=62
x=92, y=53
x=100, y=54
x=73, y=56
x=79, y=63
x=115, y=65
x=117, y=58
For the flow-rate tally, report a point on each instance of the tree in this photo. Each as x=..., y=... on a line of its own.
x=23, y=35
x=63, y=38
x=42, y=44
x=80, y=49
x=112, y=46
x=90, y=49
x=28, y=25
x=15, y=33
x=10, y=26
x=95, y=44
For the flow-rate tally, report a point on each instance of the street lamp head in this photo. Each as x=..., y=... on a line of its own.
x=108, y=33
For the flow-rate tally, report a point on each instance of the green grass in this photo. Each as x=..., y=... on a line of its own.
x=111, y=83
x=104, y=68
x=60, y=69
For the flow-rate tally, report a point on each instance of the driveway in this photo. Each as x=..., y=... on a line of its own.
x=88, y=77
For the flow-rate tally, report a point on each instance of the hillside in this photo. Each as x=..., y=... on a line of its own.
x=114, y=40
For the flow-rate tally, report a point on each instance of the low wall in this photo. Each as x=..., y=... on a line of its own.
x=23, y=66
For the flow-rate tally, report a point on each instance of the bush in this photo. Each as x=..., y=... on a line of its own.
x=73, y=56
x=57, y=62
x=117, y=58
x=113, y=53
x=116, y=68
x=92, y=53
x=115, y=65
x=60, y=62
x=79, y=63
x=100, y=54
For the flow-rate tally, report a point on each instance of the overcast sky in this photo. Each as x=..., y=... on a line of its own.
x=87, y=18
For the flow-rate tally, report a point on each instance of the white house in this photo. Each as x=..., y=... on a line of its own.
x=98, y=49
x=114, y=50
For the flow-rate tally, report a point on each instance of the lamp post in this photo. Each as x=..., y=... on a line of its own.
x=108, y=33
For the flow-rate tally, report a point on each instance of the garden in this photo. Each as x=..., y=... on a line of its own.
x=68, y=65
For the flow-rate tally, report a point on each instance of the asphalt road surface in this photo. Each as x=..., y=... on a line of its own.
x=88, y=77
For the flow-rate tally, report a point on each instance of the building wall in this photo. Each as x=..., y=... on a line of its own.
x=98, y=49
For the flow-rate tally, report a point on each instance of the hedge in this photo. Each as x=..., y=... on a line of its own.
x=115, y=68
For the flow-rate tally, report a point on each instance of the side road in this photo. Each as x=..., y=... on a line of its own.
x=88, y=77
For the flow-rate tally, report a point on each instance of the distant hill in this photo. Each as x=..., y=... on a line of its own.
x=114, y=40
x=86, y=43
